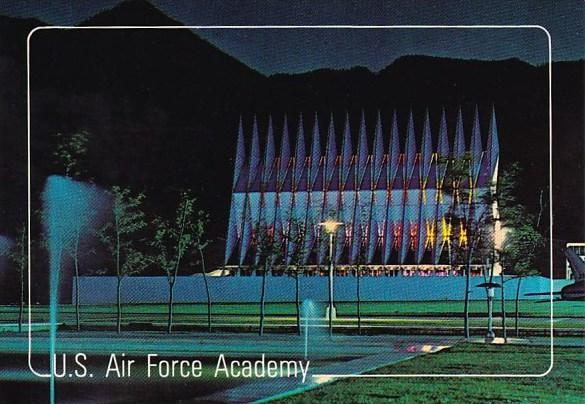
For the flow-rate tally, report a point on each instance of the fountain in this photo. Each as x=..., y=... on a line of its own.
x=69, y=208
x=311, y=323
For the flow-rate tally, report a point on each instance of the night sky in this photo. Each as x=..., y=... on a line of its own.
x=294, y=51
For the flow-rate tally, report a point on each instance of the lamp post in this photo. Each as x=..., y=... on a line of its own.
x=490, y=289
x=330, y=227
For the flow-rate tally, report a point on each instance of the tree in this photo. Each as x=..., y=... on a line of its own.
x=295, y=255
x=503, y=307
x=520, y=253
x=120, y=234
x=268, y=252
x=82, y=215
x=200, y=244
x=70, y=151
x=519, y=256
x=471, y=216
x=456, y=170
x=17, y=253
x=75, y=252
x=173, y=240
x=68, y=156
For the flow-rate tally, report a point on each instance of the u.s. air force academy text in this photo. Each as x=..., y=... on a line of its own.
x=120, y=366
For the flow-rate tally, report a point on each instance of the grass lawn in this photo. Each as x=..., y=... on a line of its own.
x=425, y=308
x=430, y=314
x=564, y=385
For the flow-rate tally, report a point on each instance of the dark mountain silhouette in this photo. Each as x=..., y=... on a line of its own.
x=133, y=12
x=162, y=108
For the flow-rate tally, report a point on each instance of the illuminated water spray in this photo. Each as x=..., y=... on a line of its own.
x=311, y=324
x=70, y=211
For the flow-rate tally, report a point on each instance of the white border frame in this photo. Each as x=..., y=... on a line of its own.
x=327, y=377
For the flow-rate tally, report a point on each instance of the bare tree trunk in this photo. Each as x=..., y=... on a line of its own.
x=541, y=204
x=119, y=275
x=262, y=299
x=119, y=305
x=173, y=277
x=21, y=305
x=77, y=314
x=22, y=268
x=359, y=300
x=504, y=329
x=206, y=291
x=466, y=309
x=76, y=265
x=171, y=296
x=517, y=307
x=466, y=304
x=298, y=302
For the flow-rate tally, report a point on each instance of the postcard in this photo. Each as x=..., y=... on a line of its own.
x=345, y=201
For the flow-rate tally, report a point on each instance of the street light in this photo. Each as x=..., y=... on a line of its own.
x=330, y=227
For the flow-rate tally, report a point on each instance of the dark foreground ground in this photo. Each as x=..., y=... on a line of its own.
x=562, y=385
x=19, y=385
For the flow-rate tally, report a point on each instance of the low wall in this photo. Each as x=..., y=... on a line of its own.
x=102, y=289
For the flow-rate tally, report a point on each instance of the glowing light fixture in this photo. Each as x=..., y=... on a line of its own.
x=330, y=226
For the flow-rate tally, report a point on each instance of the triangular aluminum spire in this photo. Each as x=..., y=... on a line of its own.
x=393, y=150
x=346, y=152
x=300, y=153
x=240, y=154
x=459, y=142
x=378, y=155
x=475, y=147
x=426, y=150
x=442, y=149
x=493, y=146
x=269, y=152
x=409, y=150
x=284, y=152
x=331, y=154
x=315, y=152
x=254, y=154
x=362, y=158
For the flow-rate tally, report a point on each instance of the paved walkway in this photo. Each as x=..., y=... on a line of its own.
x=233, y=344
x=269, y=389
